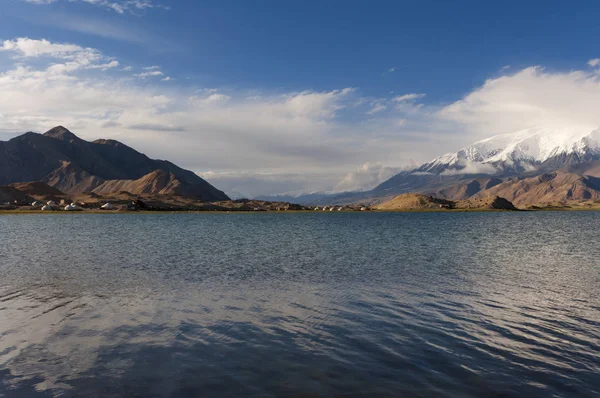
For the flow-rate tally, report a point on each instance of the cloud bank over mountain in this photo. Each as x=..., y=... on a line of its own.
x=235, y=133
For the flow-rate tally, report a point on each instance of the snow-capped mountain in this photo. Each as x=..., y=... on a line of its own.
x=524, y=150
x=502, y=158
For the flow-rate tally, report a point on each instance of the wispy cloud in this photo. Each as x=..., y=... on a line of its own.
x=366, y=177
x=151, y=73
x=594, y=62
x=72, y=57
x=119, y=6
x=378, y=106
x=155, y=127
x=408, y=97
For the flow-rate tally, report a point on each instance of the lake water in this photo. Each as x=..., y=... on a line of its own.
x=300, y=305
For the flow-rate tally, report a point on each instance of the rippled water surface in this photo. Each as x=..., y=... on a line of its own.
x=298, y=305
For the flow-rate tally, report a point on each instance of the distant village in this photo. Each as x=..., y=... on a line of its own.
x=243, y=205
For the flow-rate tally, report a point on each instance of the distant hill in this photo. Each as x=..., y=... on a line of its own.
x=413, y=201
x=39, y=191
x=36, y=188
x=10, y=194
x=547, y=188
x=73, y=166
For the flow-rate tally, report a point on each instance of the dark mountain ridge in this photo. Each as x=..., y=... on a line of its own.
x=73, y=165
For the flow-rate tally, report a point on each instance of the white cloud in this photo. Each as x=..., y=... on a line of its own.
x=111, y=64
x=377, y=107
x=254, y=184
x=218, y=98
x=153, y=73
x=392, y=69
x=120, y=6
x=469, y=167
x=366, y=177
x=408, y=97
x=530, y=97
x=594, y=62
x=73, y=57
x=27, y=48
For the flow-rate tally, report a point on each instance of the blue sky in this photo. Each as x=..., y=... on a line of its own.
x=286, y=96
x=439, y=47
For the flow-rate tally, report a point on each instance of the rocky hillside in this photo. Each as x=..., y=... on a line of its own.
x=418, y=202
x=485, y=203
x=413, y=201
x=72, y=165
x=547, y=188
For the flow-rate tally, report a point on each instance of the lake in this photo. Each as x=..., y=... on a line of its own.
x=300, y=305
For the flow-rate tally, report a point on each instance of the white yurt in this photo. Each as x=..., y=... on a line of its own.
x=51, y=203
x=46, y=208
x=107, y=206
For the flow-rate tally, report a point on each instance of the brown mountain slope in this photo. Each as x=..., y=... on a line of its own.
x=415, y=201
x=465, y=190
x=71, y=179
x=486, y=203
x=547, y=188
x=73, y=165
x=157, y=182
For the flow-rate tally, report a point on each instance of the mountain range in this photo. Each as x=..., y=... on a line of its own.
x=531, y=166
x=73, y=166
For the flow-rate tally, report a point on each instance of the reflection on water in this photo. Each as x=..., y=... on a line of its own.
x=449, y=305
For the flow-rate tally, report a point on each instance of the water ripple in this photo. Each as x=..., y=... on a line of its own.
x=270, y=305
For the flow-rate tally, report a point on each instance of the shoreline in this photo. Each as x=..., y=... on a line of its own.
x=145, y=212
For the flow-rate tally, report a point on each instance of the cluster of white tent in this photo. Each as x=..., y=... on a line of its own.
x=334, y=208
x=330, y=208
x=52, y=205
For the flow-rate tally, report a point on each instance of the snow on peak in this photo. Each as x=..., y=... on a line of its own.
x=530, y=145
